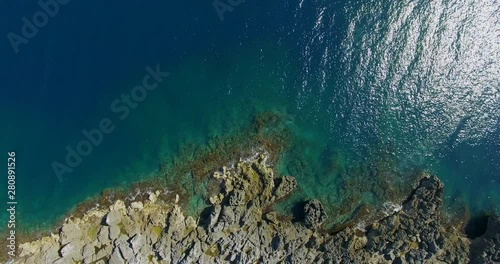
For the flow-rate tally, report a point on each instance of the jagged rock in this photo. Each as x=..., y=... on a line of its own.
x=237, y=197
x=214, y=216
x=228, y=215
x=116, y=258
x=315, y=214
x=137, y=242
x=137, y=205
x=125, y=251
x=272, y=217
x=286, y=185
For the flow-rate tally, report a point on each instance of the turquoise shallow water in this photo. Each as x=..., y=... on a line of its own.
x=369, y=89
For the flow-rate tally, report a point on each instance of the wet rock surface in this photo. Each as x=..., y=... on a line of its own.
x=239, y=228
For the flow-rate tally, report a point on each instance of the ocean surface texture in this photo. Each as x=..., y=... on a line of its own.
x=370, y=89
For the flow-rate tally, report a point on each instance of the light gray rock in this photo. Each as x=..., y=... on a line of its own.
x=88, y=252
x=486, y=248
x=113, y=217
x=69, y=233
x=125, y=251
x=67, y=250
x=103, y=235
x=114, y=232
x=116, y=258
x=137, y=205
x=237, y=197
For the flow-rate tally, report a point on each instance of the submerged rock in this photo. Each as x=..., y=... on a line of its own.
x=240, y=228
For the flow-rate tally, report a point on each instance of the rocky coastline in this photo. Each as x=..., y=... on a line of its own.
x=241, y=227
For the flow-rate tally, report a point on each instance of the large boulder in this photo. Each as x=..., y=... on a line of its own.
x=113, y=217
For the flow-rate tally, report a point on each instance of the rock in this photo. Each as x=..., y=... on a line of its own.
x=137, y=205
x=153, y=197
x=137, y=242
x=113, y=217
x=125, y=251
x=214, y=216
x=116, y=258
x=114, y=232
x=216, y=199
x=70, y=232
x=140, y=258
x=88, y=252
x=67, y=250
x=272, y=217
x=228, y=215
x=285, y=186
x=104, y=251
x=314, y=213
x=103, y=235
x=237, y=197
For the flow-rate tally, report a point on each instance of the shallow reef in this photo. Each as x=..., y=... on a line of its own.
x=241, y=226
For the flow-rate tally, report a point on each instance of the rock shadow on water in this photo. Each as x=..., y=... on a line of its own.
x=477, y=226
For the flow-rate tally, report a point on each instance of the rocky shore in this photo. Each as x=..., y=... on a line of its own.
x=241, y=227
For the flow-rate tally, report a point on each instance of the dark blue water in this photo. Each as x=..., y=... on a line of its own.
x=412, y=83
